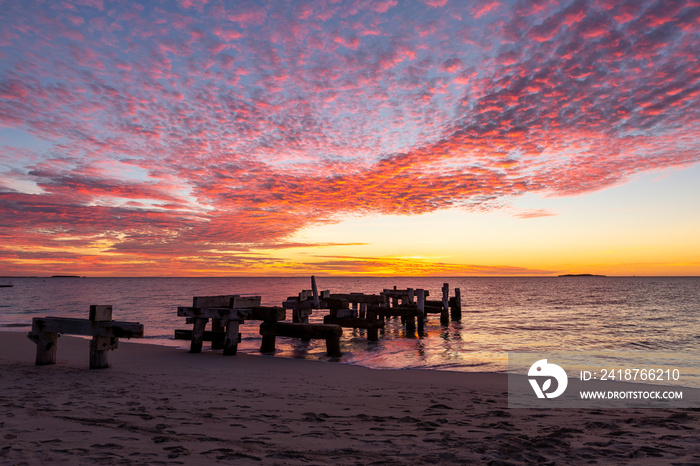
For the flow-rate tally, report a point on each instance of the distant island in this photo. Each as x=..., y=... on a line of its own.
x=581, y=275
x=65, y=276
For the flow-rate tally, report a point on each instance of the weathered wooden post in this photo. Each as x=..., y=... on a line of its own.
x=333, y=346
x=420, y=297
x=217, y=326
x=268, y=343
x=46, y=345
x=200, y=325
x=363, y=310
x=314, y=290
x=445, y=314
x=100, y=345
x=231, y=341
x=372, y=331
x=456, y=308
x=410, y=325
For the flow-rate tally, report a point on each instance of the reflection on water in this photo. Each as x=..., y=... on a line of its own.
x=499, y=315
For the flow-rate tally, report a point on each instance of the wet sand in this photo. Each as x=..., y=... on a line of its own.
x=160, y=405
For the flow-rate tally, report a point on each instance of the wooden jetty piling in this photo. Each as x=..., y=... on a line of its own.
x=329, y=332
x=314, y=290
x=420, y=304
x=229, y=312
x=456, y=306
x=346, y=310
x=104, y=331
x=444, y=315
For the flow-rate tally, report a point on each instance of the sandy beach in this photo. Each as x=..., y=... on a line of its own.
x=160, y=405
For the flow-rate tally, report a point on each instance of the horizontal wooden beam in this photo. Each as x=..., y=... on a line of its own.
x=359, y=298
x=433, y=302
x=353, y=322
x=433, y=309
x=294, y=330
x=107, y=328
x=267, y=313
x=244, y=302
x=214, y=337
x=296, y=304
x=214, y=301
x=399, y=311
x=225, y=313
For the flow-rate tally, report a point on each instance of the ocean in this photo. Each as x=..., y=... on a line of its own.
x=645, y=315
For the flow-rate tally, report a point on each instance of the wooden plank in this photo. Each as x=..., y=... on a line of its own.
x=331, y=333
x=344, y=312
x=359, y=298
x=271, y=313
x=207, y=336
x=394, y=293
x=432, y=309
x=399, y=311
x=254, y=313
x=100, y=312
x=224, y=313
x=353, y=322
x=336, y=303
x=288, y=329
x=86, y=327
x=243, y=302
x=294, y=304
x=214, y=301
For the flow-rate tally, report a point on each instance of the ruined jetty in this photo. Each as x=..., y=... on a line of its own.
x=351, y=310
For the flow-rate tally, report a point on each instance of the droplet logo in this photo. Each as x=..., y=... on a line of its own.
x=545, y=371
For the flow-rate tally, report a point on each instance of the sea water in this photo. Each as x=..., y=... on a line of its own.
x=499, y=314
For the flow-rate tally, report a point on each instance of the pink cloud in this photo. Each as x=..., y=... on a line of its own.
x=484, y=7
x=233, y=126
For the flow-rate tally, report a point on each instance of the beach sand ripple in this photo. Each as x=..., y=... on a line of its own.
x=163, y=406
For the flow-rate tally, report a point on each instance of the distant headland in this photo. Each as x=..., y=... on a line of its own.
x=581, y=275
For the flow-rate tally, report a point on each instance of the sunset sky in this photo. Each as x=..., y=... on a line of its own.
x=418, y=137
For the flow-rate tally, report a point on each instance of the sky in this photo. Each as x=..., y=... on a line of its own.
x=418, y=137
